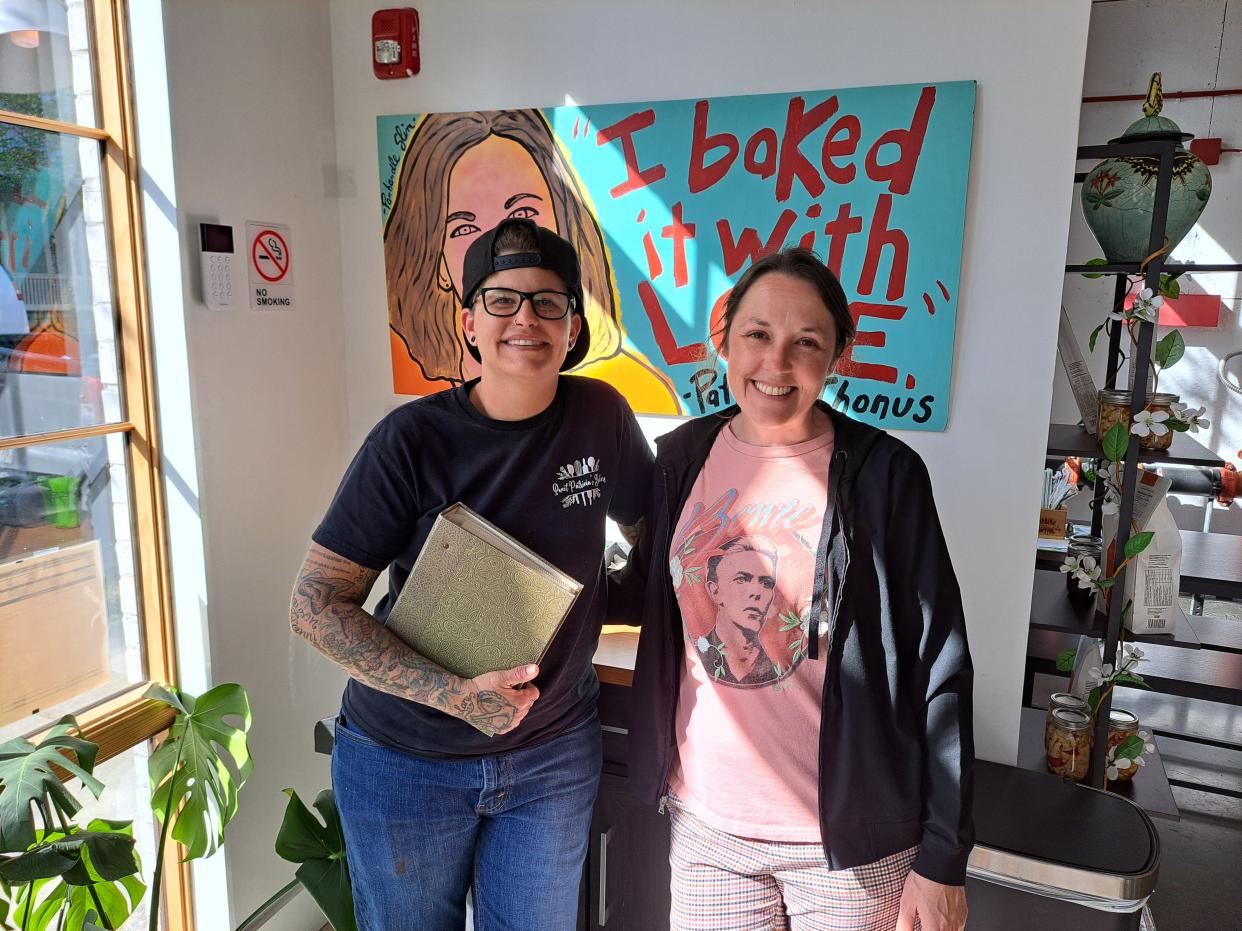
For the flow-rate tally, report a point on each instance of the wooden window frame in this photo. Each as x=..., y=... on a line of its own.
x=127, y=719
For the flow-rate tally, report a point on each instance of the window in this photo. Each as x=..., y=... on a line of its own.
x=84, y=592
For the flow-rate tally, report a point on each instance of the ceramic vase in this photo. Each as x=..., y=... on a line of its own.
x=1119, y=194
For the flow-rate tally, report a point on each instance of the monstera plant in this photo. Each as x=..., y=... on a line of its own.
x=57, y=874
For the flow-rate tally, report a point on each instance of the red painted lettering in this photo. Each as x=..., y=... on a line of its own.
x=899, y=173
x=878, y=237
x=673, y=354
x=847, y=365
x=766, y=168
x=747, y=247
x=843, y=148
x=839, y=231
x=792, y=163
x=624, y=130
x=679, y=232
x=654, y=267
x=702, y=175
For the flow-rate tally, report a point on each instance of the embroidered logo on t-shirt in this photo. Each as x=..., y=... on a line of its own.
x=580, y=482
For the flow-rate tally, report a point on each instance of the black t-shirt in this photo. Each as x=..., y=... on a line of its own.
x=548, y=481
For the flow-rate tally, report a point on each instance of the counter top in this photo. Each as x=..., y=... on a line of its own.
x=614, y=658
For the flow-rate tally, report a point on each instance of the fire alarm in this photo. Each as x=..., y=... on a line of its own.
x=394, y=43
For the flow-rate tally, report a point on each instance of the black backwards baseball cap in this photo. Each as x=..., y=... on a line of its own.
x=552, y=252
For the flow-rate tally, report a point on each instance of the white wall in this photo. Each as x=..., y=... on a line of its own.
x=250, y=96
x=1028, y=60
x=1197, y=46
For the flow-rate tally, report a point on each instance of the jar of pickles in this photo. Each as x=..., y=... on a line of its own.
x=1115, y=409
x=1080, y=545
x=1067, y=743
x=1122, y=725
x=1062, y=700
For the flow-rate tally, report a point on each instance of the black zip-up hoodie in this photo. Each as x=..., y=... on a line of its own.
x=896, y=746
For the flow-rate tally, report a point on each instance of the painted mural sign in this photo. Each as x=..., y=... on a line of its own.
x=667, y=203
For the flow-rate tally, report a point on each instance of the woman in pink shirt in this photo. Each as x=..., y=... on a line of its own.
x=802, y=690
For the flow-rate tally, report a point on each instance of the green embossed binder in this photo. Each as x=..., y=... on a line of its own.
x=477, y=600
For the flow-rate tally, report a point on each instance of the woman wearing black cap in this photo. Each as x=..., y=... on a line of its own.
x=445, y=784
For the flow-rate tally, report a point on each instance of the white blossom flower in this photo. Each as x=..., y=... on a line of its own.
x=1146, y=306
x=675, y=570
x=1088, y=573
x=1100, y=674
x=1150, y=423
x=1071, y=564
x=1193, y=418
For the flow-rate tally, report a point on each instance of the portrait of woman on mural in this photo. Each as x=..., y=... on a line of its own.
x=462, y=173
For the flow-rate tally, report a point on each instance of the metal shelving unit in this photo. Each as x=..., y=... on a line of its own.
x=1066, y=440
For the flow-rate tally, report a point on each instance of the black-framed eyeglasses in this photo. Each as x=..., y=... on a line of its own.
x=504, y=302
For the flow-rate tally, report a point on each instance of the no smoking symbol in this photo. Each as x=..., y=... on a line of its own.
x=270, y=255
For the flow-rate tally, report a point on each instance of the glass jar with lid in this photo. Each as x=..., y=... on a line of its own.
x=1080, y=545
x=1122, y=725
x=1115, y=409
x=1067, y=744
x=1063, y=700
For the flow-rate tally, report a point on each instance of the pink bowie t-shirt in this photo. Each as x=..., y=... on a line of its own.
x=742, y=560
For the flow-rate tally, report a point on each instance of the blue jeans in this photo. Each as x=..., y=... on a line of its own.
x=512, y=828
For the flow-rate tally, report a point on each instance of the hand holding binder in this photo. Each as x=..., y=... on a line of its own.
x=478, y=602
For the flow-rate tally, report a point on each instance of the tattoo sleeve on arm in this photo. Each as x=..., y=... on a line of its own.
x=326, y=611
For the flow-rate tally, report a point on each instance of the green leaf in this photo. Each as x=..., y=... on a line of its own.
x=1095, y=200
x=1169, y=287
x=1093, y=699
x=1170, y=348
x=107, y=854
x=1106, y=583
x=118, y=899
x=27, y=778
x=1065, y=660
x=1137, y=543
x=1116, y=441
x=320, y=849
x=1132, y=747
x=302, y=837
x=1094, y=336
x=48, y=905
x=1133, y=678
x=99, y=860
x=199, y=768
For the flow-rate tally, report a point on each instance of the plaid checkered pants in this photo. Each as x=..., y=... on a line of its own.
x=727, y=883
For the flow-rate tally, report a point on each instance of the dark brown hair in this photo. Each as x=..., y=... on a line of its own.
x=804, y=264
x=420, y=309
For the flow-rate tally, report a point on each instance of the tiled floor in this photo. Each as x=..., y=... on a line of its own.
x=1198, y=888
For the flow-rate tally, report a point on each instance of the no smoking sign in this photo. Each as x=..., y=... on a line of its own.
x=271, y=266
